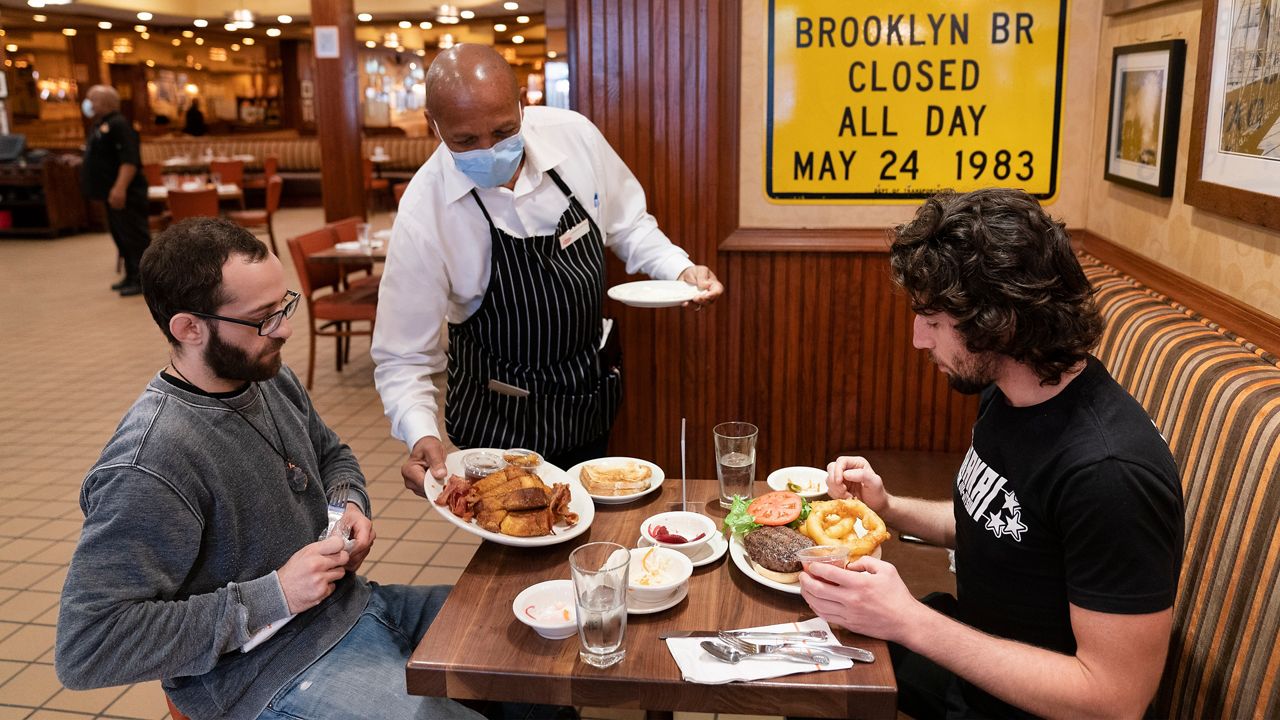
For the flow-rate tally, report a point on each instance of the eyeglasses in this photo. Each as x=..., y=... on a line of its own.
x=265, y=326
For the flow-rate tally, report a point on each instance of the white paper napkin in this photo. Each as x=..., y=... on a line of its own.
x=697, y=666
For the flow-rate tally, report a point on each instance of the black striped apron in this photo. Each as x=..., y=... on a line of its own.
x=538, y=330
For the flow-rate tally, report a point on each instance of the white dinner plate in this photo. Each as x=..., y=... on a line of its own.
x=655, y=480
x=738, y=554
x=635, y=607
x=579, y=502
x=712, y=550
x=654, y=293
x=812, y=481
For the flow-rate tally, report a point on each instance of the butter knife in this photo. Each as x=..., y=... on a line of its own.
x=746, y=635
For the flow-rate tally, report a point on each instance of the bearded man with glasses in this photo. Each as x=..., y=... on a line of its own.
x=198, y=563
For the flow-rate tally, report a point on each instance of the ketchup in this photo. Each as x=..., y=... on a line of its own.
x=662, y=534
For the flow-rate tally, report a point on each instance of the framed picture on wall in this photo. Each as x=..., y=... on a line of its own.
x=1233, y=167
x=1142, y=127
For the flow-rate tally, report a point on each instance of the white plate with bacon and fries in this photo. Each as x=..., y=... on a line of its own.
x=579, y=504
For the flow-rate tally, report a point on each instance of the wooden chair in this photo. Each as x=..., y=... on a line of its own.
x=347, y=230
x=229, y=172
x=193, y=203
x=269, y=168
x=332, y=313
x=154, y=173
x=398, y=190
x=258, y=219
x=376, y=186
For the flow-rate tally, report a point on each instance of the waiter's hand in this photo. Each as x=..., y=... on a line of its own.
x=427, y=454
x=706, y=281
x=115, y=198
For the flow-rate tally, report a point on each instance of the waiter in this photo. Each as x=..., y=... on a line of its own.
x=501, y=234
x=110, y=174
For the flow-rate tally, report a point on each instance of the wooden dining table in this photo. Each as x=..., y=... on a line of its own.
x=476, y=649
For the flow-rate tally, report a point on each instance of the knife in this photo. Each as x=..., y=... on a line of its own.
x=748, y=635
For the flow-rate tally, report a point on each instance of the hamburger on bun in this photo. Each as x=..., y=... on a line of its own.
x=772, y=552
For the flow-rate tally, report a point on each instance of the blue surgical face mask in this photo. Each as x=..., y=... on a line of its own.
x=493, y=166
x=86, y=107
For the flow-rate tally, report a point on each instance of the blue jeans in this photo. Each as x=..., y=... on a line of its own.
x=363, y=675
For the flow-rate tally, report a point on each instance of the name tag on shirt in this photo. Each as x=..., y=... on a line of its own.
x=577, y=231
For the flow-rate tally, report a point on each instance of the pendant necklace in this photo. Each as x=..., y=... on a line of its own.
x=296, y=476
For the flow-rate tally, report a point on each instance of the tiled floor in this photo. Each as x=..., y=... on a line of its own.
x=73, y=357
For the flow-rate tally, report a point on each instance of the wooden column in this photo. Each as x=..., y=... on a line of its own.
x=86, y=67
x=338, y=114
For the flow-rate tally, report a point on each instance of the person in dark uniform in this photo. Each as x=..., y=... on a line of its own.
x=110, y=174
x=502, y=235
x=195, y=120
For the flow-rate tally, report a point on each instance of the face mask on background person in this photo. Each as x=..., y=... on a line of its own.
x=86, y=107
x=494, y=166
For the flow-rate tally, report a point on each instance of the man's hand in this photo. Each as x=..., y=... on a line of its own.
x=310, y=574
x=427, y=454
x=361, y=532
x=868, y=598
x=115, y=198
x=706, y=281
x=853, y=477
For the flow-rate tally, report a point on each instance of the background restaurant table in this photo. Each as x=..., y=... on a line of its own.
x=476, y=649
x=342, y=256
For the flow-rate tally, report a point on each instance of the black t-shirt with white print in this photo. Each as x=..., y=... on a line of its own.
x=1075, y=500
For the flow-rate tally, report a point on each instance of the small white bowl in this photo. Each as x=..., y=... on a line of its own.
x=811, y=480
x=688, y=525
x=548, y=608
x=675, y=569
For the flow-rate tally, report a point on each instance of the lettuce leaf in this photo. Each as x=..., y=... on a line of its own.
x=739, y=521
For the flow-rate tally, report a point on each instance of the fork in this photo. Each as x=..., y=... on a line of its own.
x=780, y=650
x=852, y=653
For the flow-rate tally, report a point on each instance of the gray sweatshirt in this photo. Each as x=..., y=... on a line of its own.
x=188, y=514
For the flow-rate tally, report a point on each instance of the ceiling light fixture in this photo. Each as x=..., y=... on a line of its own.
x=551, y=54
x=140, y=28
x=364, y=17
x=235, y=47
x=69, y=32
x=11, y=48
x=284, y=19
x=36, y=3
x=447, y=15
x=199, y=41
x=104, y=25
x=273, y=32
x=151, y=63
x=121, y=46
x=143, y=16
x=370, y=44
x=247, y=41
x=188, y=34
x=230, y=27
x=40, y=18
x=425, y=25
x=145, y=35
x=522, y=19
x=510, y=6
x=446, y=41
x=175, y=42
x=200, y=22
x=500, y=27
x=467, y=14
x=517, y=39
x=405, y=24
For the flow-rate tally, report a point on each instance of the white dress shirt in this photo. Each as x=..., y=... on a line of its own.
x=438, y=261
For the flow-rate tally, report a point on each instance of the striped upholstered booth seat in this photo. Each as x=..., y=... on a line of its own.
x=297, y=155
x=1216, y=399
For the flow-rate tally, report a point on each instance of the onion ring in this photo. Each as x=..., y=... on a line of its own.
x=831, y=522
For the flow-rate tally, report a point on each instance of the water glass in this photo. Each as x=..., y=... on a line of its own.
x=735, y=459
x=362, y=234
x=600, y=590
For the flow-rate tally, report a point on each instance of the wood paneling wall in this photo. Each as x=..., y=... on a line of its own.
x=814, y=347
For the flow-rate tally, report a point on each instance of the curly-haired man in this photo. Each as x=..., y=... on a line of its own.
x=1066, y=515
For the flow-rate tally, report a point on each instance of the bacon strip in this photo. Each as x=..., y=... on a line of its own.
x=458, y=496
x=560, y=504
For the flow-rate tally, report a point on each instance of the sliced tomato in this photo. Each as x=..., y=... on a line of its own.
x=776, y=508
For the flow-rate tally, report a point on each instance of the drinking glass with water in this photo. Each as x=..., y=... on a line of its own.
x=600, y=590
x=735, y=459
